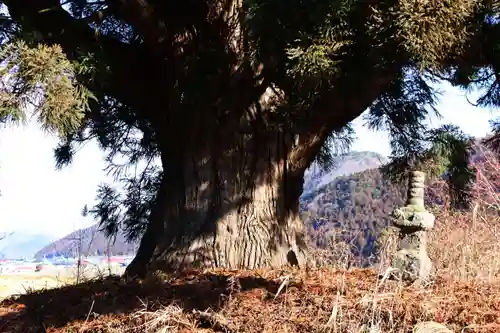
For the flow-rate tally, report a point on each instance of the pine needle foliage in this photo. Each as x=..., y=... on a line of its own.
x=127, y=211
x=443, y=152
x=42, y=77
x=429, y=30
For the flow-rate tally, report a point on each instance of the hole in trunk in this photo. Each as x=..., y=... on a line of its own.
x=291, y=257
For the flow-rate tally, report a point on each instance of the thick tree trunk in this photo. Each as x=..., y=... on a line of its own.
x=245, y=231
x=233, y=188
x=234, y=164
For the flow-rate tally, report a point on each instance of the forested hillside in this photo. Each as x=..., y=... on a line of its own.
x=358, y=205
x=356, y=161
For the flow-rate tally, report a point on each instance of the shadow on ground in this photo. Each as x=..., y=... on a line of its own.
x=251, y=301
x=45, y=310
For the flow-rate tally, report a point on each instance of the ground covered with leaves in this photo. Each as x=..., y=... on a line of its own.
x=255, y=301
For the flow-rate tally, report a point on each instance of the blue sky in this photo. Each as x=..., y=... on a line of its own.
x=453, y=107
x=37, y=198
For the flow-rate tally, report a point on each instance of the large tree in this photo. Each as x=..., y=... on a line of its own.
x=236, y=99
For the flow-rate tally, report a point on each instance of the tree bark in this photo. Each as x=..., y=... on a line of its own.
x=235, y=206
x=244, y=232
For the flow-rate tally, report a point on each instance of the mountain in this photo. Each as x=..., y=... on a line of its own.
x=359, y=205
x=88, y=241
x=316, y=176
x=22, y=245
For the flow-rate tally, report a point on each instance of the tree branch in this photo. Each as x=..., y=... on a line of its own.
x=141, y=16
x=349, y=97
x=332, y=114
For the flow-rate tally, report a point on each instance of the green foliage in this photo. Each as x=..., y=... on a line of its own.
x=128, y=212
x=401, y=111
x=313, y=61
x=429, y=30
x=404, y=106
x=445, y=150
x=305, y=35
x=42, y=77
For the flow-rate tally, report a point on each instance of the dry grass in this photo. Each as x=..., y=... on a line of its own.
x=16, y=284
x=255, y=301
x=48, y=278
x=466, y=245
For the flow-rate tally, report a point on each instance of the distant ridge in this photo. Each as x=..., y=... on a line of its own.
x=21, y=244
x=88, y=241
x=357, y=161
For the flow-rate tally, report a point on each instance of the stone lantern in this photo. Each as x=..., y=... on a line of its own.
x=411, y=262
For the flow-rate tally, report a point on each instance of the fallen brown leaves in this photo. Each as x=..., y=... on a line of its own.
x=255, y=301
